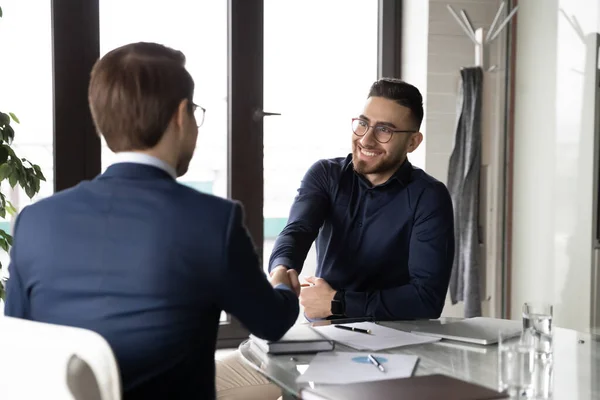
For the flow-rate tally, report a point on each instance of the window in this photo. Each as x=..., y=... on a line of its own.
x=317, y=75
x=26, y=76
x=199, y=29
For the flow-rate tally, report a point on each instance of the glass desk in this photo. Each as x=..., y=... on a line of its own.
x=576, y=362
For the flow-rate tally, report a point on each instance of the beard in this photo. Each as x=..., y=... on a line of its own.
x=380, y=165
x=184, y=164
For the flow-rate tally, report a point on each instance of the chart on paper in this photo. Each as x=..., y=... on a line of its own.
x=344, y=367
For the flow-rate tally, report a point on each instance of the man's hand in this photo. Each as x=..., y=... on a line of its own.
x=316, y=299
x=279, y=275
x=293, y=275
x=289, y=277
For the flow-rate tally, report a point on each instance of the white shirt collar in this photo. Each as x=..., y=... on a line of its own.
x=140, y=158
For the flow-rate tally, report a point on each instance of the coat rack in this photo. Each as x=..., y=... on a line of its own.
x=469, y=186
x=482, y=37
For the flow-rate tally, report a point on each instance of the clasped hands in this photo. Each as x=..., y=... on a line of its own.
x=315, y=298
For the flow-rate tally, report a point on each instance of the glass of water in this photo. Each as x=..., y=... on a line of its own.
x=537, y=325
x=516, y=364
x=538, y=333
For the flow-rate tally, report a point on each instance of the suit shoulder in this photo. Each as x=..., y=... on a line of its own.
x=206, y=201
x=56, y=199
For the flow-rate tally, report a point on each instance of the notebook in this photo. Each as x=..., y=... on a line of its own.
x=478, y=330
x=299, y=339
x=428, y=387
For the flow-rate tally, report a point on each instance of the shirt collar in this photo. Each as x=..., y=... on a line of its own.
x=146, y=159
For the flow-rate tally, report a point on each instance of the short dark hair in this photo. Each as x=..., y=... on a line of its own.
x=134, y=91
x=402, y=93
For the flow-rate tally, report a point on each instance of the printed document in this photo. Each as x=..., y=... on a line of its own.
x=380, y=338
x=342, y=368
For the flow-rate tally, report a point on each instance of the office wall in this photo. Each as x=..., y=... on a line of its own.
x=434, y=48
x=553, y=158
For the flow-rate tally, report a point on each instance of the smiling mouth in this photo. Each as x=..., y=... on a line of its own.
x=369, y=153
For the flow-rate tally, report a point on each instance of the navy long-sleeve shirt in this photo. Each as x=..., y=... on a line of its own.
x=389, y=247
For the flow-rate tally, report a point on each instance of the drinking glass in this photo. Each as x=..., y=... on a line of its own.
x=515, y=366
x=538, y=333
x=537, y=323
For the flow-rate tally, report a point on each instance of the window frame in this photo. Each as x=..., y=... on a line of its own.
x=77, y=147
x=75, y=49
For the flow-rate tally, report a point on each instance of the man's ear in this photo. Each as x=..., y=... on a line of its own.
x=414, y=141
x=181, y=114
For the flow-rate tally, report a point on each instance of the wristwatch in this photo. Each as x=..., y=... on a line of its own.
x=338, y=304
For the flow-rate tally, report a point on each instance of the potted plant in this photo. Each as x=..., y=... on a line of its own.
x=13, y=170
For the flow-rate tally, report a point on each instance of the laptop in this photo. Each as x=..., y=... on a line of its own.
x=478, y=330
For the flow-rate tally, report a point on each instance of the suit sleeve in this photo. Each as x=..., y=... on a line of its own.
x=17, y=301
x=247, y=294
x=429, y=266
x=307, y=215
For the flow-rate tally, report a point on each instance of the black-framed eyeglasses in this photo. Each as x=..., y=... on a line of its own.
x=199, y=113
x=382, y=133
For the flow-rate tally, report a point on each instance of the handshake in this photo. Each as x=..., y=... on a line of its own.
x=289, y=277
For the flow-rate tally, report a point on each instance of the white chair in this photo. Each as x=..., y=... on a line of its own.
x=46, y=361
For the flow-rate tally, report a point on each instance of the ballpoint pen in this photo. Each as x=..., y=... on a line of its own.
x=351, y=328
x=376, y=363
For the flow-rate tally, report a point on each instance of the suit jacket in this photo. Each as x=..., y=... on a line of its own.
x=149, y=264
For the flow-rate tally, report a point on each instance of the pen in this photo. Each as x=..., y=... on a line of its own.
x=375, y=363
x=351, y=328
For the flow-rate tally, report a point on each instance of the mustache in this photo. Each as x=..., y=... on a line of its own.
x=368, y=148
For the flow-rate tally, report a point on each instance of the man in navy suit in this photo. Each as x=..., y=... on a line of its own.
x=137, y=257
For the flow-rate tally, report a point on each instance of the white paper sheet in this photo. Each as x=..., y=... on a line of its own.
x=341, y=368
x=380, y=338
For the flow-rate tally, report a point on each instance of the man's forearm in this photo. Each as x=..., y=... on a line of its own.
x=307, y=215
x=290, y=250
x=404, y=302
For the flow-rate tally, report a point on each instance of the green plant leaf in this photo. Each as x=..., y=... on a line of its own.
x=3, y=155
x=4, y=244
x=4, y=119
x=5, y=171
x=0, y=12
x=39, y=173
x=8, y=133
x=13, y=179
x=11, y=209
x=11, y=153
x=30, y=191
x=6, y=236
x=14, y=117
x=23, y=178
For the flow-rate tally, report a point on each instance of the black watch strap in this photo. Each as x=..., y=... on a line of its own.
x=338, y=304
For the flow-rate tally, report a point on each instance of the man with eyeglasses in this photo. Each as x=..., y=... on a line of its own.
x=384, y=229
